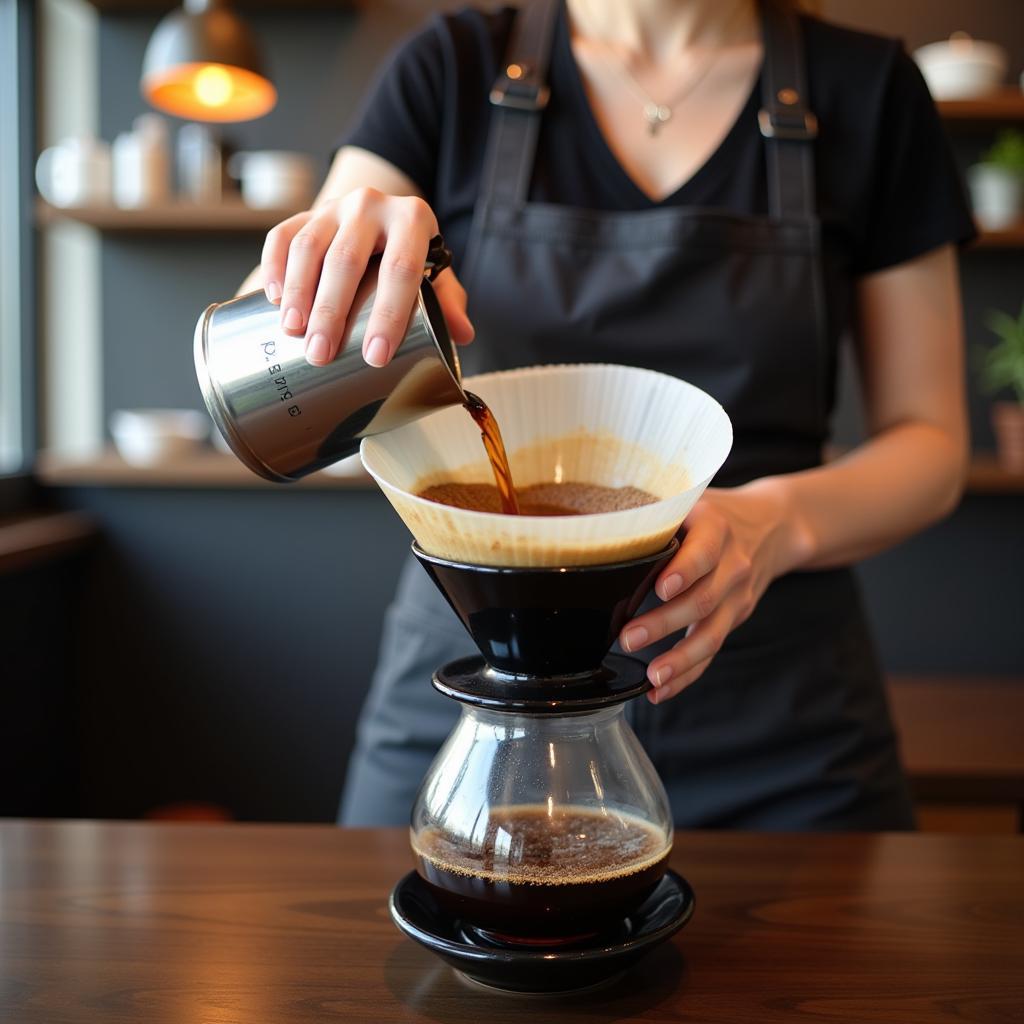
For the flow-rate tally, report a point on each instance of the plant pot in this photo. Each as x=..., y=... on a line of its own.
x=1008, y=426
x=997, y=196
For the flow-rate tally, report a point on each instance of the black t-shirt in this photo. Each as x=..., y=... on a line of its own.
x=887, y=186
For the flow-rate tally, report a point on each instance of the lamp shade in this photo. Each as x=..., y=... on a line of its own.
x=203, y=63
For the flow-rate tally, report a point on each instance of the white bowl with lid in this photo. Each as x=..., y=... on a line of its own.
x=961, y=68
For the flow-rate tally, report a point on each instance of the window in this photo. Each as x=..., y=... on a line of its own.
x=16, y=255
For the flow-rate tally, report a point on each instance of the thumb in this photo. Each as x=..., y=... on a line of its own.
x=452, y=297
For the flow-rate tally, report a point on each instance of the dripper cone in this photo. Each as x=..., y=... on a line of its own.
x=545, y=622
x=616, y=426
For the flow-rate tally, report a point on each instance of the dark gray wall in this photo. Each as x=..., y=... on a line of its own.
x=952, y=598
x=39, y=752
x=226, y=638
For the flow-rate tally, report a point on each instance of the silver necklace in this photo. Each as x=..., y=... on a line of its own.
x=658, y=114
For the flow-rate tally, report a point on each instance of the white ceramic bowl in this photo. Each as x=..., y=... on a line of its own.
x=147, y=437
x=275, y=179
x=961, y=68
x=594, y=423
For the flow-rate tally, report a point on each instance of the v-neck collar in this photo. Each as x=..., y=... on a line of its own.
x=564, y=65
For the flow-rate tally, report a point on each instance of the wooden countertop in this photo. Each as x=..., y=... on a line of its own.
x=35, y=537
x=961, y=735
x=166, y=924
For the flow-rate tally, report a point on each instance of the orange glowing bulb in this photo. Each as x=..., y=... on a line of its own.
x=213, y=86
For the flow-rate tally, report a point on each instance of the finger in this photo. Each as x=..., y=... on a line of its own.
x=399, y=280
x=343, y=267
x=699, y=553
x=700, y=644
x=452, y=297
x=275, y=253
x=693, y=605
x=302, y=273
x=668, y=690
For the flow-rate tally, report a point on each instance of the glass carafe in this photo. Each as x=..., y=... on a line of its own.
x=541, y=826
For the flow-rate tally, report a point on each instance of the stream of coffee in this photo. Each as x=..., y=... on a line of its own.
x=569, y=498
x=495, y=447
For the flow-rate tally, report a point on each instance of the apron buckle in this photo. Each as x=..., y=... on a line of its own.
x=517, y=89
x=790, y=125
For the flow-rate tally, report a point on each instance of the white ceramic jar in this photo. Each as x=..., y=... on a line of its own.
x=141, y=164
x=75, y=172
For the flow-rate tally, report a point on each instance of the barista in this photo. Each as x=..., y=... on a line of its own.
x=718, y=190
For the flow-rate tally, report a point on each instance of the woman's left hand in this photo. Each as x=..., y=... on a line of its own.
x=736, y=542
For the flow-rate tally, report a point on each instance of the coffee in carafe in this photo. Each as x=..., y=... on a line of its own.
x=544, y=874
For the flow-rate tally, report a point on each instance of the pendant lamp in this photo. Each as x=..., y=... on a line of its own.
x=203, y=63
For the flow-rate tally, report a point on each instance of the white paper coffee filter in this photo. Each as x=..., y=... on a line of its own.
x=594, y=423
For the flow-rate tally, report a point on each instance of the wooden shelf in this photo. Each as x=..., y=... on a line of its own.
x=38, y=537
x=146, y=6
x=207, y=469
x=1006, y=104
x=211, y=469
x=987, y=476
x=176, y=218
x=1008, y=238
x=226, y=218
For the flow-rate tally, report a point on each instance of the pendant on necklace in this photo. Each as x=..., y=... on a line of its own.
x=656, y=115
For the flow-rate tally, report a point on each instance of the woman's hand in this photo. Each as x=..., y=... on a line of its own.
x=737, y=541
x=313, y=262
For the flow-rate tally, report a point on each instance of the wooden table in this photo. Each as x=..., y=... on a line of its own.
x=147, y=924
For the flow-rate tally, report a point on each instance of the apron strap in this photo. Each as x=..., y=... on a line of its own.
x=519, y=95
x=786, y=122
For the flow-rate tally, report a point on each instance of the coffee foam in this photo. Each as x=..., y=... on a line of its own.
x=631, y=846
x=570, y=498
x=609, y=425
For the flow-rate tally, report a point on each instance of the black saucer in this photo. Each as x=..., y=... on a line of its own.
x=549, y=969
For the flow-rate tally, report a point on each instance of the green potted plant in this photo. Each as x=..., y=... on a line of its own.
x=996, y=183
x=1002, y=367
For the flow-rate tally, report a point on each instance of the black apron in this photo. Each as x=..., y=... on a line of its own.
x=789, y=727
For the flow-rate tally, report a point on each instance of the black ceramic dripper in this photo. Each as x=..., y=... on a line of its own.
x=544, y=633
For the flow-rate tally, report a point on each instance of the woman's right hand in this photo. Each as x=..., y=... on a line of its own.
x=313, y=262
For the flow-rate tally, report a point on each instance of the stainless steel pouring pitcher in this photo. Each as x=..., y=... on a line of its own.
x=284, y=418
